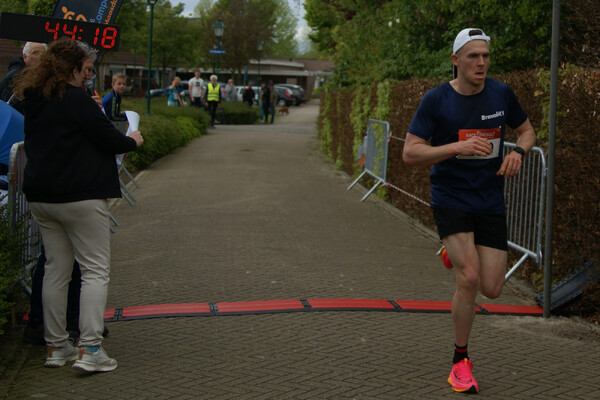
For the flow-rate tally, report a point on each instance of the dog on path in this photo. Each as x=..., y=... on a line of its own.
x=283, y=110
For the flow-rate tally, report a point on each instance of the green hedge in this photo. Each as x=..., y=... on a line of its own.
x=164, y=130
x=238, y=113
x=167, y=128
x=11, y=269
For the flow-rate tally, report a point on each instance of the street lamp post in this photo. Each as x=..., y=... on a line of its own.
x=218, y=27
x=151, y=3
x=259, y=48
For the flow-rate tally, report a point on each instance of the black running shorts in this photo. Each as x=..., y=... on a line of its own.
x=489, y=230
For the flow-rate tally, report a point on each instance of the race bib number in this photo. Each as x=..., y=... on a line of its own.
x=493, y=136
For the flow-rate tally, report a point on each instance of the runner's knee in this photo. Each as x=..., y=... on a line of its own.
x=492, y=291
x=467, y=281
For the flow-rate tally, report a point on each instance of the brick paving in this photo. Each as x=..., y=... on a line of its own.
x=250, y=213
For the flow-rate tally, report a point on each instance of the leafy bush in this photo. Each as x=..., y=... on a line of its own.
x=154, y=130
x=188, y=128
x=234, y=113
x=166, y=129
x=11, y=265
x=238, y=113
x=407, y=39
x=195, y=113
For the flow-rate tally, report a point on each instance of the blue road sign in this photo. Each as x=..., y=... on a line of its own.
x=217, y=51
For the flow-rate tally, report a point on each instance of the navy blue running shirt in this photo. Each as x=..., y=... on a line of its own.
x=470, y=185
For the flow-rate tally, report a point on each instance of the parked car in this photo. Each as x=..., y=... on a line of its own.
x=284, y=96
x=186, y=86
x=297, y=92
x=158, y=92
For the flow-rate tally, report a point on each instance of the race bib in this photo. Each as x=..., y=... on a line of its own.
x=493, y=136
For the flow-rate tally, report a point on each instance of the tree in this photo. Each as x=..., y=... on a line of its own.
x=203, y=7
x=284, y=43
x=14, y=6
x=407, y=39
x=580, y=35
x=41, y=7
x=173, y=37
x=322, y=17
x=246, y=22
x=133, y=20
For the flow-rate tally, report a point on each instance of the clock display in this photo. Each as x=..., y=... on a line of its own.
x=47, y=29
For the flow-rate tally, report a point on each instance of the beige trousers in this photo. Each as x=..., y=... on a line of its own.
x=78, y=230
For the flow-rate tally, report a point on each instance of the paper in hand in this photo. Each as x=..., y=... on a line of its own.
x=133, y=119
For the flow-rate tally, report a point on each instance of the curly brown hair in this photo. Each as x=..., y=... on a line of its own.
x=50, y=76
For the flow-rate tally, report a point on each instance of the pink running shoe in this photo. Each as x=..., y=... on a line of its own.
x=462, y=379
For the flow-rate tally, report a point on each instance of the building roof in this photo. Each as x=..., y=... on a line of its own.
x=271, y=65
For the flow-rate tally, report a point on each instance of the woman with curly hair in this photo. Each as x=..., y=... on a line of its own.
x=69, y=176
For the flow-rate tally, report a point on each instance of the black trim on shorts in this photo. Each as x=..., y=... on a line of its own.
x=489, y=229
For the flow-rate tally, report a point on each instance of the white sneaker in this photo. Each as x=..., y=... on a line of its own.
x=94, y=362
x=58, y=356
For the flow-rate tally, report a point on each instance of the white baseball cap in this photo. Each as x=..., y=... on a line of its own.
x=466, y=35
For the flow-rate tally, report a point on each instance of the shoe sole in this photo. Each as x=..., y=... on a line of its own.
x=471, y=390
x=59, y=362
x=91, y=367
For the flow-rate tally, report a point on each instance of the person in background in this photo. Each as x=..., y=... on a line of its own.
x=89, y=87
x=196, y=90
x=31, y=55
x=458, y=131
x=265, y=94
x=32, y=52
x=69, y=175
x=248, y=96
x=230, y=94
x=174, y=90
x=112, y=101
x=213, y=98
x=272, y=101
x=261, y=91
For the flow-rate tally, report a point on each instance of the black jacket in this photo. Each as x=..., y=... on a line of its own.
x=15, y=66
x=249, y=96
x=71, y=147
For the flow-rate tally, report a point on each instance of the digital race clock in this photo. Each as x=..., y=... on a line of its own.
x=33, y=28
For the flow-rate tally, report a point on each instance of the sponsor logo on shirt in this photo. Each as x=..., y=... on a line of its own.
x=492, y=116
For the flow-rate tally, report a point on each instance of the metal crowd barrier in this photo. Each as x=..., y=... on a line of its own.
x=377, y=138
x=123, y=126
x=525, y=201
x=524, y=193
x=18, y=210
